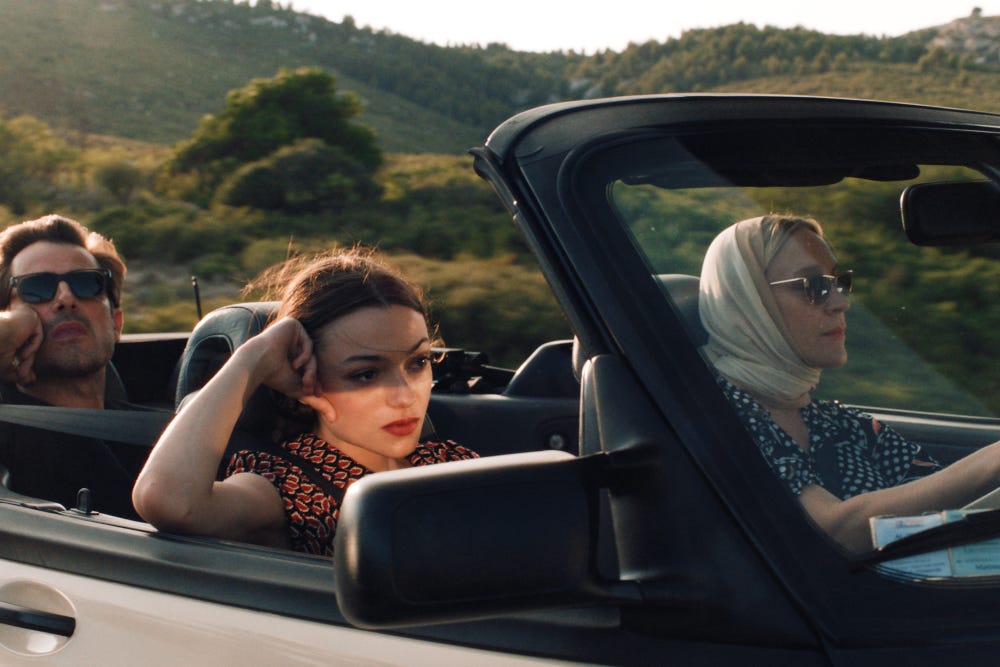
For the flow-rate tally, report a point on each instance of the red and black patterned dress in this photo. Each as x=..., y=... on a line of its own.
x=312, y=512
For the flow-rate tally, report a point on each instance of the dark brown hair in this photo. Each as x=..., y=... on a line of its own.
x=57, y=229
x=319, y=289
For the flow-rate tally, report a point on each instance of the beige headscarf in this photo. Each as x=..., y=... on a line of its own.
x=748, y=341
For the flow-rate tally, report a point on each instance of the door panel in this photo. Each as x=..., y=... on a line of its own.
x=123, y=625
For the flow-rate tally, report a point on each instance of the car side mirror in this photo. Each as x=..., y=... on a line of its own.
x=465, y=540
x=936, y=214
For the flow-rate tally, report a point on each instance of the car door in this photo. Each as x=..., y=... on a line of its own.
x=99, y=590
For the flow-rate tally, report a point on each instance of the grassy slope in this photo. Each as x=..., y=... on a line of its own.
x=890, y=82
x=115, y=68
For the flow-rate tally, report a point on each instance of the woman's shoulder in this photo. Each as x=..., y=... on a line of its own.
x=439, y=451
x=741, y=400
x=271, y=458
x=851, y=417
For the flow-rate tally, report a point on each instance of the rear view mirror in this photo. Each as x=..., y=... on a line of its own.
x=951, y=213
x=466, y=540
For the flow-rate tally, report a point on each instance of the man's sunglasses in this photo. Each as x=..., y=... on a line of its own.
x=818, y=289
x=41, y=287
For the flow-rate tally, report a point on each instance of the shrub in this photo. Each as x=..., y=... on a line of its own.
x=119, y=178
x=308, y=177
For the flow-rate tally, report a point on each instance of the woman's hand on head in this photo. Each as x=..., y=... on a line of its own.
x=284, y=358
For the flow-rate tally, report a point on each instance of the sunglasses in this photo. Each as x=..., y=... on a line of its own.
x=41, y=287
x=818, y=289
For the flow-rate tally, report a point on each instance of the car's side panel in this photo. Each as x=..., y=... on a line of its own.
x=126, y=585
x=125, y=625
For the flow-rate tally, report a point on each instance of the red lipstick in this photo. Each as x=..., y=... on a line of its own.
x=402, y=427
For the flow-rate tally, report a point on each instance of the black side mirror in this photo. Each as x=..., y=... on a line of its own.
x=466, y=540
x=955, y=213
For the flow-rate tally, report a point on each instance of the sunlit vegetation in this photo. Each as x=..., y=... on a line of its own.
x=182, y=130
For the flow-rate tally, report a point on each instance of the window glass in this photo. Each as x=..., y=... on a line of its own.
x=924, y=325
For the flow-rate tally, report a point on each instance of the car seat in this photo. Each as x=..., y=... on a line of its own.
x=214, y=340
x=683, y=292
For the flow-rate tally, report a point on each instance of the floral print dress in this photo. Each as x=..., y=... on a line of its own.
x=312, y=505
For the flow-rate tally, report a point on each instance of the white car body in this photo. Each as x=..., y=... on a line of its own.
x=122, y=625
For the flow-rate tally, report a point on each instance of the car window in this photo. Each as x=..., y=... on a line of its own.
x=923, y=322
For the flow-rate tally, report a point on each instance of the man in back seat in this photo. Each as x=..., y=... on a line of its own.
x=60, y=317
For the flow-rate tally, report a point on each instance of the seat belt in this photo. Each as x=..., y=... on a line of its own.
x=135, y=427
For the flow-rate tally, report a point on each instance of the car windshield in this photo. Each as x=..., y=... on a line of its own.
x=924, y=322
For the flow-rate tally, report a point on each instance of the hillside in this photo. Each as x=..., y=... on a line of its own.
x=149, y=70
x=976, y=36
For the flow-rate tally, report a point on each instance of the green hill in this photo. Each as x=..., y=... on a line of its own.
x=149, y=70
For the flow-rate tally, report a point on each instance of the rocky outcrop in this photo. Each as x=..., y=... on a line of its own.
x=976, y=36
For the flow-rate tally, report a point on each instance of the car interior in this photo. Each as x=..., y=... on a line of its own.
x=492, y=410
x=537, y=406
x=536, y=403
x=925, y=198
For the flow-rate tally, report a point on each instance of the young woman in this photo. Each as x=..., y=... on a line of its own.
x=351, y=342
x=773, y=299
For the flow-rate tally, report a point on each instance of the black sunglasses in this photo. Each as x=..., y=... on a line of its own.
x=41, y=287
x=818, y=289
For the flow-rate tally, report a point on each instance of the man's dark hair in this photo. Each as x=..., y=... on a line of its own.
x=57, y=229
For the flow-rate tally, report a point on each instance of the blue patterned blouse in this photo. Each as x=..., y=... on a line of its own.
x=850, y=453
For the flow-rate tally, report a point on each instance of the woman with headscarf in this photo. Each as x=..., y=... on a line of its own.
x=773, y=303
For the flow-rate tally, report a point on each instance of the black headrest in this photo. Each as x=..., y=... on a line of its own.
x=683, y=291
x=215, y=337
x=547, y=373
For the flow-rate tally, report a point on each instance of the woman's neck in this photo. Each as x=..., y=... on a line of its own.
x=371, y=460
x=773, y=403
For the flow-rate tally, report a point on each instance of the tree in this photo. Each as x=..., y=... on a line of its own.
x=31, y=157
x=269, y=114
x=937, y=59
x=307, y=177
x=120, y=178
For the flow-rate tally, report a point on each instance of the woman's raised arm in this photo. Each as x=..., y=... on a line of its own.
x=177, y=491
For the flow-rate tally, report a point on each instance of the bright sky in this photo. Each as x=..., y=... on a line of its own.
x=588, y=26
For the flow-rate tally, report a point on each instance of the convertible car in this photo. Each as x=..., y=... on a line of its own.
x=620, y=513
